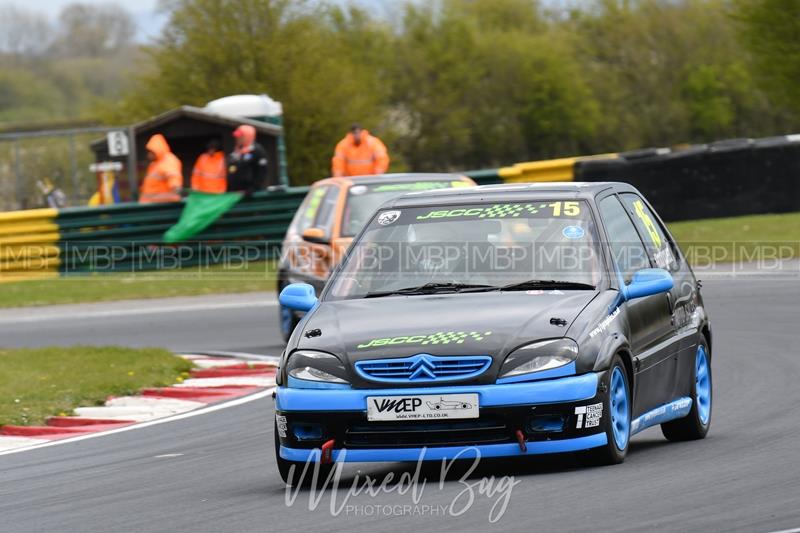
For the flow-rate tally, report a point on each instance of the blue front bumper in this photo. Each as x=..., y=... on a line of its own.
x=569, y=389
x=448, y=452
x=338, y=409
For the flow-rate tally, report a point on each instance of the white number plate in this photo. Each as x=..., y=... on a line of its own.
x=422, y=407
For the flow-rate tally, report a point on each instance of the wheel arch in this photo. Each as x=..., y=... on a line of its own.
x=616, y=344
x=706, y=332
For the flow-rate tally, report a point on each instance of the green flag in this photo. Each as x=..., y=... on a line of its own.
x=200, y=211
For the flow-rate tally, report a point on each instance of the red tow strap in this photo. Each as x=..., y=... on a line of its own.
x=326, y=455
x=523, y=447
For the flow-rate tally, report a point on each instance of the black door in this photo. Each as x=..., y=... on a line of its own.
x=664, y=253
x=649, y=320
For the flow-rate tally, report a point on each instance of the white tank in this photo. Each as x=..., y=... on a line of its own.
x=247, y=106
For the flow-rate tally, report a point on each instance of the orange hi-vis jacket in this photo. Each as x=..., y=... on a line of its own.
x=369, y=157
x=164, y=179
x=209, y=173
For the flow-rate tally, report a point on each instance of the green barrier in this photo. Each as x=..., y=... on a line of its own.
x=130, y=237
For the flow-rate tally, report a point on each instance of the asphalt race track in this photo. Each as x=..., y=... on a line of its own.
x=744, y=477
x=236, y=322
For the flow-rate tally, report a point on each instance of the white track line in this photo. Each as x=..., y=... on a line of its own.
x=253, y=357
x=251, y=381
x=12, y=442
x=73, y=315
x=190, y=414
x=150, y=402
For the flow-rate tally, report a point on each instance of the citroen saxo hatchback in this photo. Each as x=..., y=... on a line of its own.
x=497, y=321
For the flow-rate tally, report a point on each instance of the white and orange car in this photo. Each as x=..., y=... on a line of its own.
x=332, y=213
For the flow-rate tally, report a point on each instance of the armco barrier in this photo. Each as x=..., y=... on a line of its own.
x=485, y=177
x=44, y=243
x=129, y=237
x=723, y=179
x=548, y=170
x=28, y=245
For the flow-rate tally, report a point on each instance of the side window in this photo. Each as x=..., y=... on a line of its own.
x=658, y=245
x=307, y=213
x=327, y=208
x=625, y=244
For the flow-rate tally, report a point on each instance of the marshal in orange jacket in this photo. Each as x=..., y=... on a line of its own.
x=164, y=179
x=367, y=157
x=209, y=173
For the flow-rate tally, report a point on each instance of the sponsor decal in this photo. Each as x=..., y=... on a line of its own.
x=536, y=292
x=440, y=337
x=672, y=407
x=422, y=407
x=444, y=405
x=556, y=209
x=358, y=190
x=282, y=426
x=573, y=232
x=603, y=325
x=589, y=415
x=388, y=217
x=493, y=211
x=663, y=258
x=313, y=202
x=648, y=223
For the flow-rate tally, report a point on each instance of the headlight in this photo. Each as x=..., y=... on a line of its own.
x=316, y=366
x=539, y=356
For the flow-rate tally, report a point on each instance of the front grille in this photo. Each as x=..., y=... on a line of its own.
x=423, y=368
x=485, y=430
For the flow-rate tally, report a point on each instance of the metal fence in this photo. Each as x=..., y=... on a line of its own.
x=29, y=160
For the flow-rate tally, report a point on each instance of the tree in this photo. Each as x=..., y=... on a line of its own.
x=86, y=30
x=670, y=72
x=304, y=59
x=483, y=90
x=22, y=32
x=771, y=31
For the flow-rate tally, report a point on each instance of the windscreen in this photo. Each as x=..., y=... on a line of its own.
x=363, y=200
x=481, y=245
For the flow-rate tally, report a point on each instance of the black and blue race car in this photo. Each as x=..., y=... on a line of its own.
x=497, y=321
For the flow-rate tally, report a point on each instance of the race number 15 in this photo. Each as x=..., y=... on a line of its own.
x=567, y=209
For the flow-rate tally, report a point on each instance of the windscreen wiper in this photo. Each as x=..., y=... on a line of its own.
x=429, y=288
x=546, y=284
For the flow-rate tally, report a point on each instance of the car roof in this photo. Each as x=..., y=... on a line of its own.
x=509, y=192
x=391, y=178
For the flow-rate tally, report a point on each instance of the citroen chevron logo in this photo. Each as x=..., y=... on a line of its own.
x=422, y=368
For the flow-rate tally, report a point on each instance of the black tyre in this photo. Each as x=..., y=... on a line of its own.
x=697, y=423
x=292, y=472
x=617, y=420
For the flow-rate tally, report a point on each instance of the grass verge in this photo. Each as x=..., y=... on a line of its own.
x=40, y=382
x=250, y=277
x=743, y=238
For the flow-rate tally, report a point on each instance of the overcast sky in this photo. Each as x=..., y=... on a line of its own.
x=148, y=20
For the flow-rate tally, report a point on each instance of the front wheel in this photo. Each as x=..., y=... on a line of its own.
x=294, y=473
x=696, y=424
x=617, y=422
